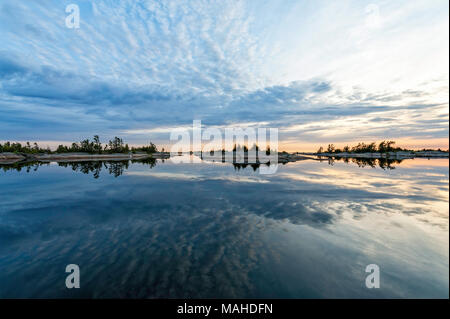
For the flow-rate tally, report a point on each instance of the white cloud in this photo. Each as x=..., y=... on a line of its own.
x=144, y=67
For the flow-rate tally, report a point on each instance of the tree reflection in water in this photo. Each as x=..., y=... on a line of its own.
x=384, y=163
x=18, y=166
x=239, y=166
x=115, y=168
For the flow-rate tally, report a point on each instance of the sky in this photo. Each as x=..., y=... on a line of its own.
x=321, y=72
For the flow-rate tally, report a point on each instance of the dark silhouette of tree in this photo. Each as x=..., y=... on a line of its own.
x=116, y=146
x=330, y=148
x=97, y=145
x=387, y=146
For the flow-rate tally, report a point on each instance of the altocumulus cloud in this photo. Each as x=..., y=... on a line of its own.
x=141, y=65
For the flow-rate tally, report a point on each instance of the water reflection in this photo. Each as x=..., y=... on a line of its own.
x=112, y=167
x=239, y=166
x=384, y=163
x=218, y=230
x=117, y=167
x=18, y=166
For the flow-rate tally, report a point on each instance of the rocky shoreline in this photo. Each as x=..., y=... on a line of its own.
x=9, y=158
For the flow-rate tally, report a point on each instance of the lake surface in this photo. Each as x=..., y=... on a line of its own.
x=214, y=230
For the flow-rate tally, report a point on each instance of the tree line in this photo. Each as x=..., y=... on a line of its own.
x=19, y=148
x=383, y=147
x=244, y=148
x=94, y=146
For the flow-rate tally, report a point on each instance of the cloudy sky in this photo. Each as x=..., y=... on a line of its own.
x=319, y=71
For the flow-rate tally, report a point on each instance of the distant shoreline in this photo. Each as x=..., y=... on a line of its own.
x=386, y=155
x=283, y=157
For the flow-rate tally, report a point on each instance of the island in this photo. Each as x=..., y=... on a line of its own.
x=116, y=149
x=86, y=150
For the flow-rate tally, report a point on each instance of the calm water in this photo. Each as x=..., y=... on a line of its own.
x=149, y=230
